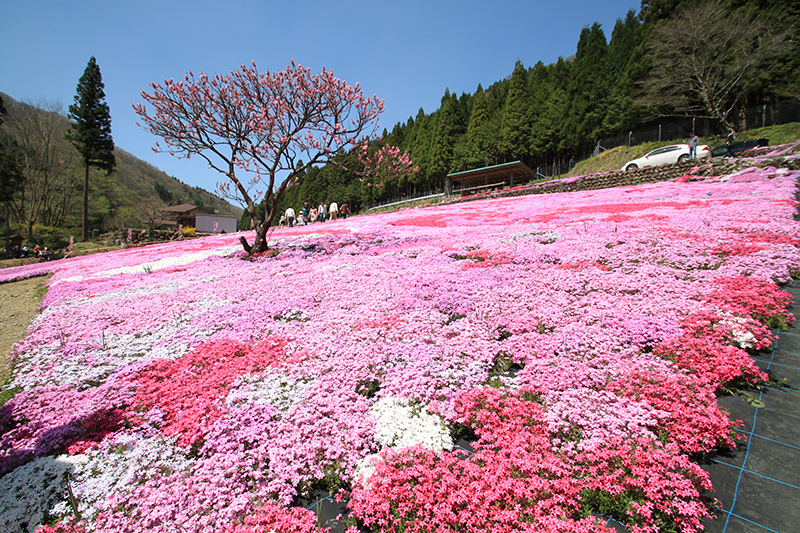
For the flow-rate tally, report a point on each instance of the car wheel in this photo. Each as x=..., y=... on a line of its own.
x=632, y=166
x=683, y=158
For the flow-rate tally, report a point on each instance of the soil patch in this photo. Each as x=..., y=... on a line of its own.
x=19, y=302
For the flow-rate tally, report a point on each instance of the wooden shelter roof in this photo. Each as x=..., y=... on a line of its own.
x=512, y=173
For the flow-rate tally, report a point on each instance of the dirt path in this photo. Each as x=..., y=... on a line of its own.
x=19, y=301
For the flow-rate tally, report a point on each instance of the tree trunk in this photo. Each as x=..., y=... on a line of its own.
x=260, y=243
x=86, y=205
x=8, y=225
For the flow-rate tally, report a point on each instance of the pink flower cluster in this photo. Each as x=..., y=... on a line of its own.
x=580, y=337
x=187, y=393
x=513, y=477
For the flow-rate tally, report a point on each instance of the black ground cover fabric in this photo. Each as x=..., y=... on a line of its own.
x=759, y=484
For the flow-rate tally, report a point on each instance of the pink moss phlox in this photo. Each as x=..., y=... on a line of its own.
x=512, y=477
x=747, y=296
x=694, y=420
x=272, y=518
x=663, y=486
x=189, y=391
x=48, y=419
x=62, y=528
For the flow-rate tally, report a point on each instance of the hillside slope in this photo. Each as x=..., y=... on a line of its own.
x=114, y=199
x=615, y=158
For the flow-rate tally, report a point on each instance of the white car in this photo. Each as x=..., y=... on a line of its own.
x=665, y=155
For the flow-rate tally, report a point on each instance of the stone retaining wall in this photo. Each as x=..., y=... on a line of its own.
x=617, y=178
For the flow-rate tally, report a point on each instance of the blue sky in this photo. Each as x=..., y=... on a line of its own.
x=406, y=52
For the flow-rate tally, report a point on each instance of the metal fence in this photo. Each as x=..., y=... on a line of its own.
x=680, y=128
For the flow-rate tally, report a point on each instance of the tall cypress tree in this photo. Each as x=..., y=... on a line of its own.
x=625, y=53
x=91, y=130
x=515, y=131
x=587, y=93
x=479, y=141
x=421, y=148
x=448, y=127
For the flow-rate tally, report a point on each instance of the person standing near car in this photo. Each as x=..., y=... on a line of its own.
x=694, y=142
x=729, y=142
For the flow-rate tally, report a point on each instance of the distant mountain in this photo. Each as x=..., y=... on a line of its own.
x=117, y=199
x=140, y=179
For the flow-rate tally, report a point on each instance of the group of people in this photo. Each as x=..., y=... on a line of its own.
x=309, y=214
x=694, y=142
x=43, y=253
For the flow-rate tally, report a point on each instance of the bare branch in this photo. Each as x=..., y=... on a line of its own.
x=706, y=58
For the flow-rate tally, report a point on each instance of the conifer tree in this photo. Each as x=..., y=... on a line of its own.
x=448, y=127
x=587, y=94
x=478, y=135
x=91, y=131
x=515, y=131
x=625, y=56
x=11, y=176
x=421, y=146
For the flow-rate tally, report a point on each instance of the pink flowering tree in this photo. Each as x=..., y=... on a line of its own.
x=263, y=130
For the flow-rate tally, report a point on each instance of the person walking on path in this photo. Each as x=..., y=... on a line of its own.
x=333, y=210
x=694, y=142
x=322, y=212
x=289, y=217
x=344, y=210
x=729, y=143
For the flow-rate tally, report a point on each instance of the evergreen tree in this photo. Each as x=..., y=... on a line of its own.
x=547, y=87
x=515, y=130
x=655, y=10
x=164, y=194
x=587, y=94
x=479, y=141
x=625, y=55
x=421, y=147
x=91, y=131
x=448, y=127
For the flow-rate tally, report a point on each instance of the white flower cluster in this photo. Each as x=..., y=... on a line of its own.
x=400, y=425
x=34, y=492
x=275, y=388
x=365, y=468
x=119, y=465
x=109, y=352
x=167, y=262
x=741, y=337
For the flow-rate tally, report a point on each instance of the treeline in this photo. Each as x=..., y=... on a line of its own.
x=42, y=180
x=546, y=114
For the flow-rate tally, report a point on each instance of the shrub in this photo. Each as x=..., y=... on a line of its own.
x=53, y=238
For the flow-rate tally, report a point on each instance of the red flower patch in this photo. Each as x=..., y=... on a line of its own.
x=190, y=391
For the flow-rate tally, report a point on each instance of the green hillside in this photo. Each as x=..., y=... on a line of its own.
x=135, y=180
x=53, y=188
x=615, y=158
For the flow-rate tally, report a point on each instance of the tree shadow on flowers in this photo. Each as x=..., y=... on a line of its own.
x=22, y=441
x=32, y=492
